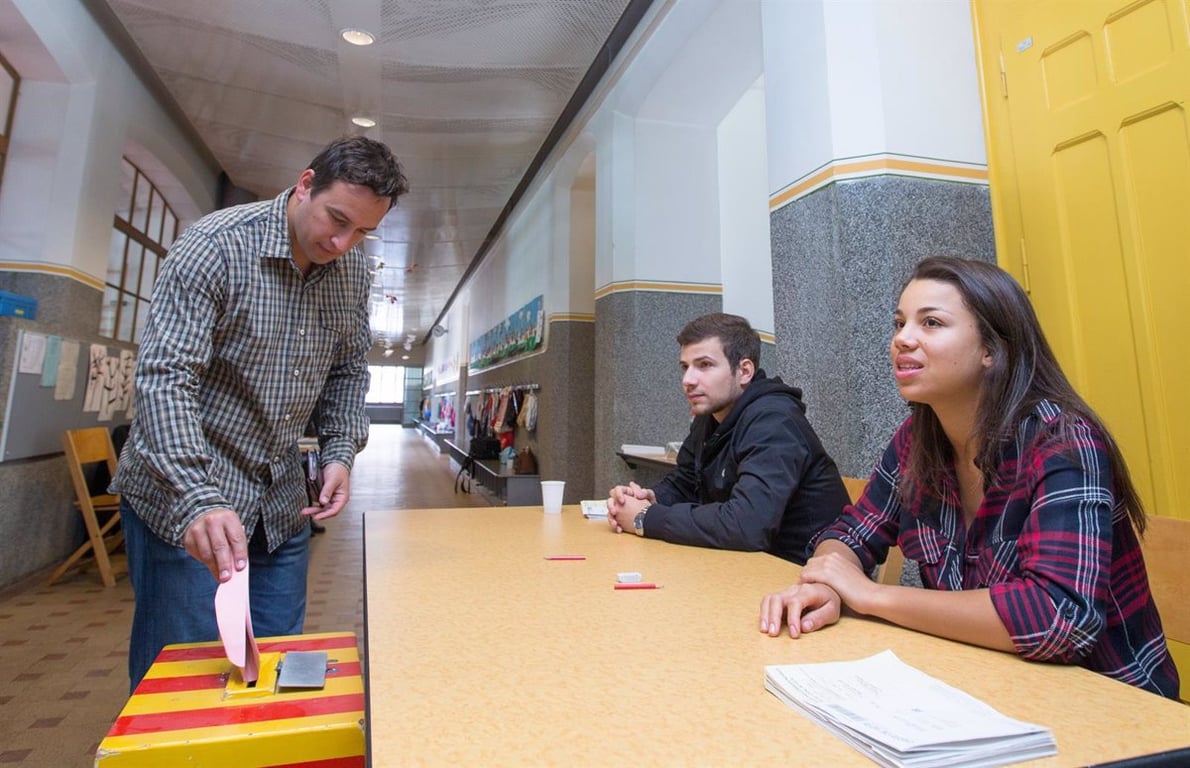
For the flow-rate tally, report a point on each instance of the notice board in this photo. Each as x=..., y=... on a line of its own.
x=38, y=410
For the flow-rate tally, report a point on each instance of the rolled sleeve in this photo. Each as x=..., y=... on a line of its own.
x=172, y=360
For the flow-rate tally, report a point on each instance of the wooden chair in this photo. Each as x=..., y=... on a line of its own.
x=1165, y=545
x=84, y=447
x=888, y=572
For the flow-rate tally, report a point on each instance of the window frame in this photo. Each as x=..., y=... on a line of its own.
x=10, y=114
x=130, y=291
x=398, y=389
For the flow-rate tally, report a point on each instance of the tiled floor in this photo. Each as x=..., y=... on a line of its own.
x=64, y=649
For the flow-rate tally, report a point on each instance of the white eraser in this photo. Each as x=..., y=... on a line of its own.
x=630, y=577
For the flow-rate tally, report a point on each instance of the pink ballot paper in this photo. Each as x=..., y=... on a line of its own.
x=234, y=618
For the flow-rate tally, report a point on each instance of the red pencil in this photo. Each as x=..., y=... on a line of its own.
x=565, y=557
x=638, y=585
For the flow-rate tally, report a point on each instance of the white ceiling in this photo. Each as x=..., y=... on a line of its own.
x=465, y=92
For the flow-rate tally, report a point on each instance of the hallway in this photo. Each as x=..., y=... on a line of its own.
x=63, y=649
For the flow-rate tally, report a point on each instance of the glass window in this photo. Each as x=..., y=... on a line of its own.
x=148, y=275
x=115, y=258
x=144, y=228
x=169, y=228
x=141, y=190
x=156, y=213
x=132, y=265
x=388, y=385
x=127, y=180
x=125, y=313
x=142, y=317
x=107, y=316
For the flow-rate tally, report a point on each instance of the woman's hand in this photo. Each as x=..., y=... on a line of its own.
x=806, y=607
x=842, y=574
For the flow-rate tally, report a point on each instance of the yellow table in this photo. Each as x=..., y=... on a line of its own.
x=482, y=652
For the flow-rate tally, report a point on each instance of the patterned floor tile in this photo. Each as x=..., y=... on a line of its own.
x=72, y=646
x=14, y=755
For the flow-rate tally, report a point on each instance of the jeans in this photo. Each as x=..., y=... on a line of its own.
x=175, y=594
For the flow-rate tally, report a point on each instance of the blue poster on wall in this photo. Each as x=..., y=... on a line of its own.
x=519, y=333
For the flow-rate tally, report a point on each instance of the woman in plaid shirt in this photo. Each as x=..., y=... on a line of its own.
x=1005, y=488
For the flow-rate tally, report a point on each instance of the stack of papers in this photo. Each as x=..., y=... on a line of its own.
x=899, y=716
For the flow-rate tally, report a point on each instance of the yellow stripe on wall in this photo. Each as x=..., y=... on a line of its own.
x=879, y=165
x=648, y=285
x=51, y=269
x=765, y=336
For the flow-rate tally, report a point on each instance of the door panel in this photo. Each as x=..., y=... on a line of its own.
x=1095, y=197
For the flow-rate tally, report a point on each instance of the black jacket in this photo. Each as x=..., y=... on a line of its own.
x=759, y=481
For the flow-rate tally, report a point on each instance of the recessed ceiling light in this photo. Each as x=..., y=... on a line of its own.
x=404, y=357
x=373, y=236
x=357, y=36
x=363, y=122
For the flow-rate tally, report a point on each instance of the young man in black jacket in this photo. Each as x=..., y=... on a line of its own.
x=751, y=475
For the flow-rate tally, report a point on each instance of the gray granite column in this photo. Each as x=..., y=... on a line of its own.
x=840, y=257
x=638, y=386
x=565, y=412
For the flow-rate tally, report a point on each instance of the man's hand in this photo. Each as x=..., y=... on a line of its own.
x=336, y=489
x=623, y=504
x=217, y=540
x=806, y=607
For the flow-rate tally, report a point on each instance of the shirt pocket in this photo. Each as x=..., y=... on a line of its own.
x=331, y=330
x=925, y=545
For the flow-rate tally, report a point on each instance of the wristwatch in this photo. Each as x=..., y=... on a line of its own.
x=638, y=522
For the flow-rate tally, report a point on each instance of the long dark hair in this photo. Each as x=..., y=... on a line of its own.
x=1023, y=372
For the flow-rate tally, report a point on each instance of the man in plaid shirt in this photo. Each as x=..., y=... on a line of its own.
x=259, y=319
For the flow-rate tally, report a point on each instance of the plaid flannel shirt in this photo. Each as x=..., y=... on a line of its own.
x=238, y=351
x=1058, y=554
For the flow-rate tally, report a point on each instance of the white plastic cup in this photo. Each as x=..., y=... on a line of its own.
x=551, y=496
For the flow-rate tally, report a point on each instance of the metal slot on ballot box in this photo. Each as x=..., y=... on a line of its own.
x=304, y=670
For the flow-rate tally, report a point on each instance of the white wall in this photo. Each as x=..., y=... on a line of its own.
x=676, y=199
x=81, y=107
x=929, y=79
x=581, y=240
x=745, y=245
x=660, y=145
x=680, y=195
x=864, y=77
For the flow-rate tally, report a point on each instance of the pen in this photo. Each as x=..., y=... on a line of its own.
x=637, y=585
x=565, y=557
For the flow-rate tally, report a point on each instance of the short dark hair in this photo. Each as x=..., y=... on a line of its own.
x=738, y=338
x=359, y=160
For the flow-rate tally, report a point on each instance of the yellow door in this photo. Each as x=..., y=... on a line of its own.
x=1089, y=155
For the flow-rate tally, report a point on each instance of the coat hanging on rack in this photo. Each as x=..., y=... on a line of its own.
x=529, y=409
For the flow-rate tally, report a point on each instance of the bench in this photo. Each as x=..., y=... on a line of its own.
x=500, y=479
x=438, y=438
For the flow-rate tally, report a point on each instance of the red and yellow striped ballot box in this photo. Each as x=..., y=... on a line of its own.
x=193, y=709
